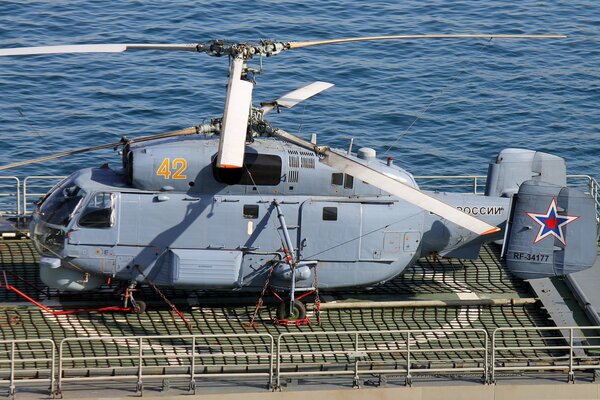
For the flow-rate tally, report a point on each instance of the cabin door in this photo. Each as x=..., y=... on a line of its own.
x=97, y=223
x=330, y=231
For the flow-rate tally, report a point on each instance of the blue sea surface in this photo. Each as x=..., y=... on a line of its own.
x=437, y=106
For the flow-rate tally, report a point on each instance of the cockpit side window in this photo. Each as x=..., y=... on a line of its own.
x=59, y=206
x=99, y=212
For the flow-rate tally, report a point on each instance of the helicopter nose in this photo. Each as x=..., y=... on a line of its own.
x=53, y=274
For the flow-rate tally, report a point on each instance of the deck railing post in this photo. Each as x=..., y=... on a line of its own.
x=60, y=367
x=140, y=387
x=272, y=354
x=278, y=364
x=571, y=377
x=486, y=364
x=408, y=381
x=356, y=382
x=12, y=386
x=18, y=196
x=52, y=369
x=193, y=367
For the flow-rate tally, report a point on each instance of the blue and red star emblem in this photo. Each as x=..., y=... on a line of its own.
x=551, y=223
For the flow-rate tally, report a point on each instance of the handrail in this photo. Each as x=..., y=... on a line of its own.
x=475, y=182
x=15, y=193
x=169, y=356
x=24, y=356
x=357, y=354
x=381, y=352
x=571, y=348
x=46, y=186
x=593, y=190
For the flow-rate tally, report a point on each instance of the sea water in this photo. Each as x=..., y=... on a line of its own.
x=437, y=106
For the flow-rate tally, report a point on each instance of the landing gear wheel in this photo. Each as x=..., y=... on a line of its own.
x=298, y=311
x=139, y=308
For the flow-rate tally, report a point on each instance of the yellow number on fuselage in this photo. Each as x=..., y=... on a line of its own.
x=164, y=169
x=179, y=165
x=182, y=163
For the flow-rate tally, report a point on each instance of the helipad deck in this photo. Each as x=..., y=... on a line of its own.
x=469, y=320
x=356, y=342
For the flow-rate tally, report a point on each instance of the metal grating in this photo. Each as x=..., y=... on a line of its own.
x=427, y=277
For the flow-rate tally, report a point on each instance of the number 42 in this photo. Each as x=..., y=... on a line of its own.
x=178, y=166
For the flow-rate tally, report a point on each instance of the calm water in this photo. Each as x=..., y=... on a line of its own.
x=473, y=97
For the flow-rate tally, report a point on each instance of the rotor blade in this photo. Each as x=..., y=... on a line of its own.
x=294, y=97
x=235, y=118
x=297, y=45
x=392, y=185
x=182, y=132
x=94, y=48
x=219, y=48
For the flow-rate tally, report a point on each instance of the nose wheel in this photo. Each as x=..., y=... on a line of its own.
x=137, y=306
x=291, y=311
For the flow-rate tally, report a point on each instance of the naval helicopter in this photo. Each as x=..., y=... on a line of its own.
x=238, y=204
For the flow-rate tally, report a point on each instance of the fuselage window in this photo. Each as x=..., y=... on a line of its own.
x=98, y=213
x=340, y=179
x=258, y=170
x=250, y=211
x=337, y=178
x=349, y=181
x=329, y=213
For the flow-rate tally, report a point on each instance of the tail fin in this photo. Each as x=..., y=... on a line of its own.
x=552, y=231
x=515, y=166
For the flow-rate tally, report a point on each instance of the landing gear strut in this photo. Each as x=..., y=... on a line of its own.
x=291, y=311
x=137, y=306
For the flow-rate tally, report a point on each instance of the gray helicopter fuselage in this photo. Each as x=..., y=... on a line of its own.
x=170, y=216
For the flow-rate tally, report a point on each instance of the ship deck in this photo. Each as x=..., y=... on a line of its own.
x=442, y=324
x=450, y=311
x=443, y=280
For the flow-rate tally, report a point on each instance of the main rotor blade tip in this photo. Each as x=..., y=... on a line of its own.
x=490, y=231
x=228, y=166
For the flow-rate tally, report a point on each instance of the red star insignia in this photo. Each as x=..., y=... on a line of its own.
x=551, y=223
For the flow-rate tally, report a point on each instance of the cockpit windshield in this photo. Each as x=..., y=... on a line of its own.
x=59, y=206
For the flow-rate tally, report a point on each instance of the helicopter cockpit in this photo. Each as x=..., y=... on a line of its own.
x=66, y=209
x=58, y=207
x=57, y=211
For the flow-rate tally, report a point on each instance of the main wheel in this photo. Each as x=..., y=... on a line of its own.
x=298, y=310
x=140, y=307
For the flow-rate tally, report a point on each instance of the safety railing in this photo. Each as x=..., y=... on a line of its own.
x=356, y=354
x=589, y=185
x=525, y=349
x=27, y=361
x=401, y=352
x=10, y=195
x=474, y=183
x=188, y=357
x=35, y=187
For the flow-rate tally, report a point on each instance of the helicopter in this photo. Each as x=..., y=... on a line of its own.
x=238, y=204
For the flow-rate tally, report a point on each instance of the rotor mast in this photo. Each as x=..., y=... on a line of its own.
x=239, y=116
